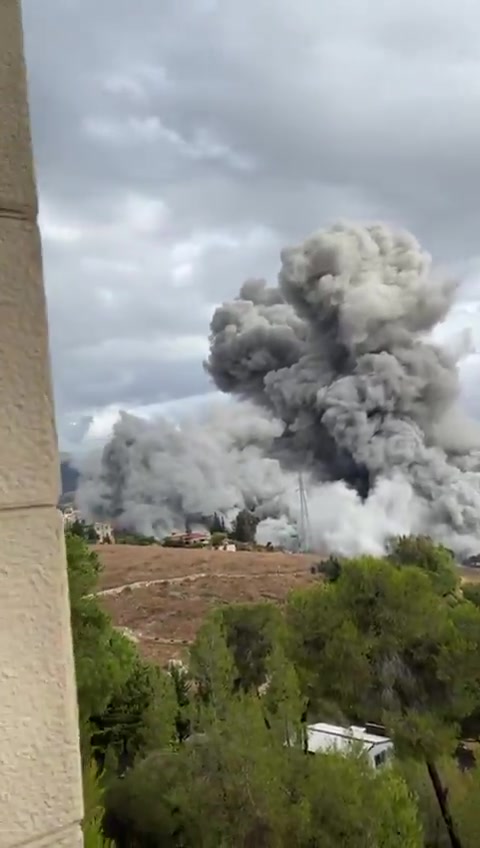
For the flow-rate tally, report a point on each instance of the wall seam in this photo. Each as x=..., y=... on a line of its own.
x=41, y=840
x=25, y=507
x=27, y=214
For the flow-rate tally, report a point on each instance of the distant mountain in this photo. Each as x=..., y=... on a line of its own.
x=69, y=476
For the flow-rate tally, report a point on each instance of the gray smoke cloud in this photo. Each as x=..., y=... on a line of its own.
x=333, y=373
x=154, y=476
x=340, y=352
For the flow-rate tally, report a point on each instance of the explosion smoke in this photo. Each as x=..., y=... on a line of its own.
x=336, y=375
x=339, y=352
x=154, y=476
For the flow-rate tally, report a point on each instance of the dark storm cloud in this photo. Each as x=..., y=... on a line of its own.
x=178, y=145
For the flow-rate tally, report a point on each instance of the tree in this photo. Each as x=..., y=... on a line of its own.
x=385, y=644
x=352, y=805
x=245, y=527
x=236, y=783
x=94, y=809
x=212, y=665
x=463, y=794
x=104, y=658
x=217, y=524
x=437, y=560
x=330, y=568
x=83, y=530
x=250, y=632
x=283, y=704
x=140, y=717
x=217, y=539
x=471, y=592
x=183, y=687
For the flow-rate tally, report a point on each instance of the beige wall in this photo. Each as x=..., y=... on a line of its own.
x=40, y=779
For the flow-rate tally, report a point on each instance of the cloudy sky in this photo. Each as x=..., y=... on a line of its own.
x=180, y=144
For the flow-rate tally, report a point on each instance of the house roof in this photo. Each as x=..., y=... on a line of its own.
x=322, y=736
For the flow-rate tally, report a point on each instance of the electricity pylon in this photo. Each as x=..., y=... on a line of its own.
x=304, y=529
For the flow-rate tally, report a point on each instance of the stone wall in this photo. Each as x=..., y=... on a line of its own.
x=40, y=776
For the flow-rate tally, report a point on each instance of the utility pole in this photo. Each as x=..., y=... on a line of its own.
x=304, y=529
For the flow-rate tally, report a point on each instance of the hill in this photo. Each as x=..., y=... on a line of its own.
x=69, y=478
x=160, y=596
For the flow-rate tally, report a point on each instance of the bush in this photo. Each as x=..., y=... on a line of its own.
x=94, y=809
x=218, y=539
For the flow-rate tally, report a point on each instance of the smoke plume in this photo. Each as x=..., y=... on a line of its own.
x=154, y=476
x=335, y=375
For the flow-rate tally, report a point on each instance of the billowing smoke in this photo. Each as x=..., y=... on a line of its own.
x=154, y=476
x=340, y=353
x=335, y=375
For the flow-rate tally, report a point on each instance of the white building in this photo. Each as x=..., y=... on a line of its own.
x=330, y=737
x=104, y=532
x=70, y=516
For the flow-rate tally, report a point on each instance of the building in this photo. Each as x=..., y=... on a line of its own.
x=472, y=561
x=103, y=529
x=70, y=516
x=199, y=537
x=40, y=767
x=104, y=532
x=330, y=737
x=189, y=539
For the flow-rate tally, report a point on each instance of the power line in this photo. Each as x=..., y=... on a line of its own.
x=304, y=529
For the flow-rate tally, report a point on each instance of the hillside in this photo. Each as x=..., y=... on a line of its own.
x=69, y=479
x=161, y=595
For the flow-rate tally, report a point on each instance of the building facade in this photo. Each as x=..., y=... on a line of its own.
x=323, y=737
x=105, y=532
x=40, y=773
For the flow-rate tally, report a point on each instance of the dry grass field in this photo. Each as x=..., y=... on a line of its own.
x=161, y=595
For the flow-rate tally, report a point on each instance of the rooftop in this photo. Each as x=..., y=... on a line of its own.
x=322, y=736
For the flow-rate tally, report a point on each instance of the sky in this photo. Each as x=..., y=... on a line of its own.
x=180, y=145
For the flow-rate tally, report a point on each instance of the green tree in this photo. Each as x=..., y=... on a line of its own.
x=471, y=724
x=217, y=524
x=142, y=809
x=217, y=539
x=353, y=805
x=237, y=785
x=283, y=703
x=437, y=560
x=139, y=718
x=83, y=569
x=463, y=794
x=94, y=809
x=464, y=790
x=212, y=665
x=471, y=592
x=385, y=645
x=83, y=530
x=104, y=658
x=251, y=632
x=245, y=526
x=183, y=687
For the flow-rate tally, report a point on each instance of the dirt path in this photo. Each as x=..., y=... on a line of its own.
x=202, y=575
x=189, y=578
x=137, y=635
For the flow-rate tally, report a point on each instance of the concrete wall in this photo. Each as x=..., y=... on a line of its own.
x=40, y=778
